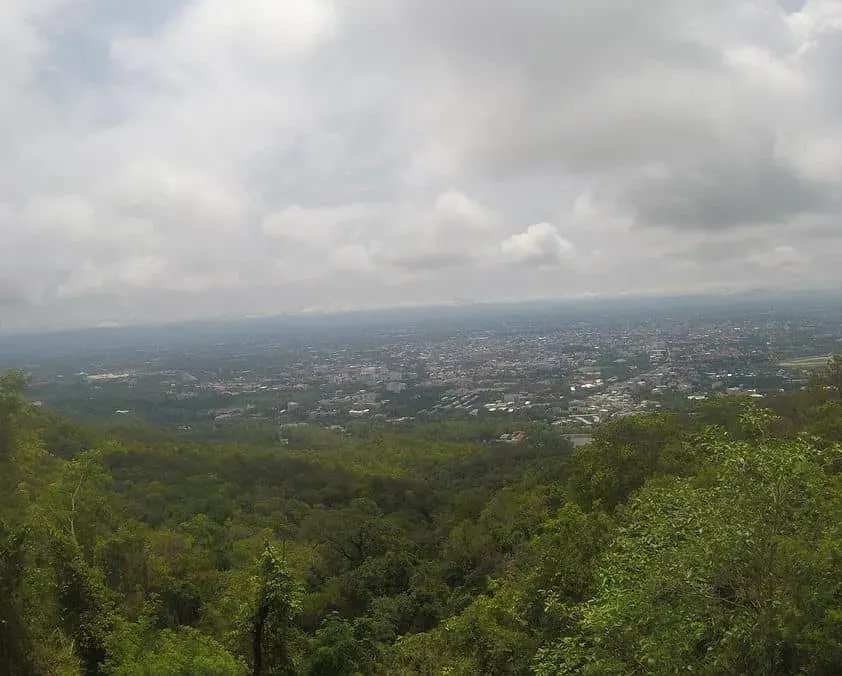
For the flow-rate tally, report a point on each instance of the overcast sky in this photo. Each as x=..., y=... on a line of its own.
x=171, y=159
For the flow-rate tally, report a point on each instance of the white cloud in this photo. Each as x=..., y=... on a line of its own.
x=541, y=244
x=260, y=29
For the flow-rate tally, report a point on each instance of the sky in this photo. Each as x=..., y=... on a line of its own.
x=179, y=159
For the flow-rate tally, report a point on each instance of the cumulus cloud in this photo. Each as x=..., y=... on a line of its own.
x=175, y=159
x=541, y=244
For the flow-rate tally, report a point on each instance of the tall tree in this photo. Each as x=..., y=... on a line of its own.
x=15, y=640
x=278, y=604
x=12, y=407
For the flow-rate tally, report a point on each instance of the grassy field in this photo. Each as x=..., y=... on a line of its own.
x=805, y=362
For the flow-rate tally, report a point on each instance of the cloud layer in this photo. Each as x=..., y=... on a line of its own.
x=202, y=157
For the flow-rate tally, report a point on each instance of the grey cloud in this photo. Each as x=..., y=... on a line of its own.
x=793, y=5
x=779, y=258
x=536, y=39
x=718, y=250
x=11, y=295
x=146, y=147
x=742, y=191
x=427, y=261
x=608, y=90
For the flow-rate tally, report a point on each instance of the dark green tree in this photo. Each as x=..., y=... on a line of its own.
x=272, y=626
x=623, y=456
x=16, y=647
x=12, y=407
x=336, y=650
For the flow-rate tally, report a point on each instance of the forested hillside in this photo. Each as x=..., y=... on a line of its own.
x=708, y=542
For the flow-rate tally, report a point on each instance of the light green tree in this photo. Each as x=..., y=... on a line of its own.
x=272, y=623
x=735, y=571
x=182, y=652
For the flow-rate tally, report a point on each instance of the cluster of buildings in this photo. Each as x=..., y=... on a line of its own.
x=573, y=373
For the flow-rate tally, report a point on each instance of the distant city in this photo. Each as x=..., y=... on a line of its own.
x=569, y=366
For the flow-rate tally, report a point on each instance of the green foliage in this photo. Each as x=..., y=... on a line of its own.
x=500, y=631
x=486, y=638
x=707, y=542
x=84, y=604
x=736, y=575
x=272, y=624
x=15, y=639
x=12, y=407
x=336, y=649
x=183, y=652
x=557, y=568
x=624, y=455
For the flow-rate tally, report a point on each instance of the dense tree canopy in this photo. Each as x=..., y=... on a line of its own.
x=707, y=542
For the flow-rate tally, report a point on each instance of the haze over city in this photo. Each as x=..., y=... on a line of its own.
x=199, y=158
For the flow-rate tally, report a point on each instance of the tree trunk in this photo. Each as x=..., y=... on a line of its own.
x=257, y=639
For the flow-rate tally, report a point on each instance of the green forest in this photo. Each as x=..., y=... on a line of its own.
x=705, y=541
